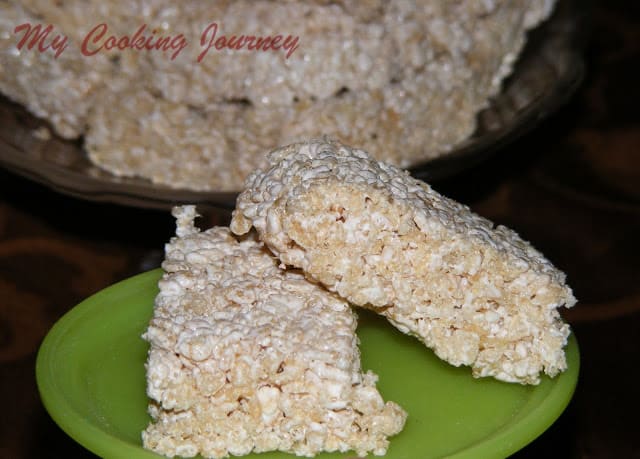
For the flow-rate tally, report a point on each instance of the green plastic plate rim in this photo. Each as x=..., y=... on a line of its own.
x=534, y=417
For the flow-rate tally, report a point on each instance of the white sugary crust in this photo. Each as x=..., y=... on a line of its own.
x=403, y=80
x=247, y=357
x=476, y=294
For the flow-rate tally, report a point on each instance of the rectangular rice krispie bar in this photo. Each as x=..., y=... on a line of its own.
x=247, y=357
x=476, y=293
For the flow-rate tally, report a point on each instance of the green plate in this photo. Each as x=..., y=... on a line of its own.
x=91, y=377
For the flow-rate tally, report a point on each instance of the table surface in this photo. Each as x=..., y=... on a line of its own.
x=571, y=187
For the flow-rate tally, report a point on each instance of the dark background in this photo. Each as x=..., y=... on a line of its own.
x=572, y=187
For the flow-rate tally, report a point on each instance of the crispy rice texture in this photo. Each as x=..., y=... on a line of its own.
x=247, y=357
x=404, y=80
x=475, y=293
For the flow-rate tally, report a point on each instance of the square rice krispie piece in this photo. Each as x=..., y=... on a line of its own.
x=248, y=357
x=476, y=293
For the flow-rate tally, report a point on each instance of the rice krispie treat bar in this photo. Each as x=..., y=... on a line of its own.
x=247, y=357
x=477, y=294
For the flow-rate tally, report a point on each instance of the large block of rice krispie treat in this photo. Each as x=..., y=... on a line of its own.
x=475, y=293
x=405, y=80
x=247, y=357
